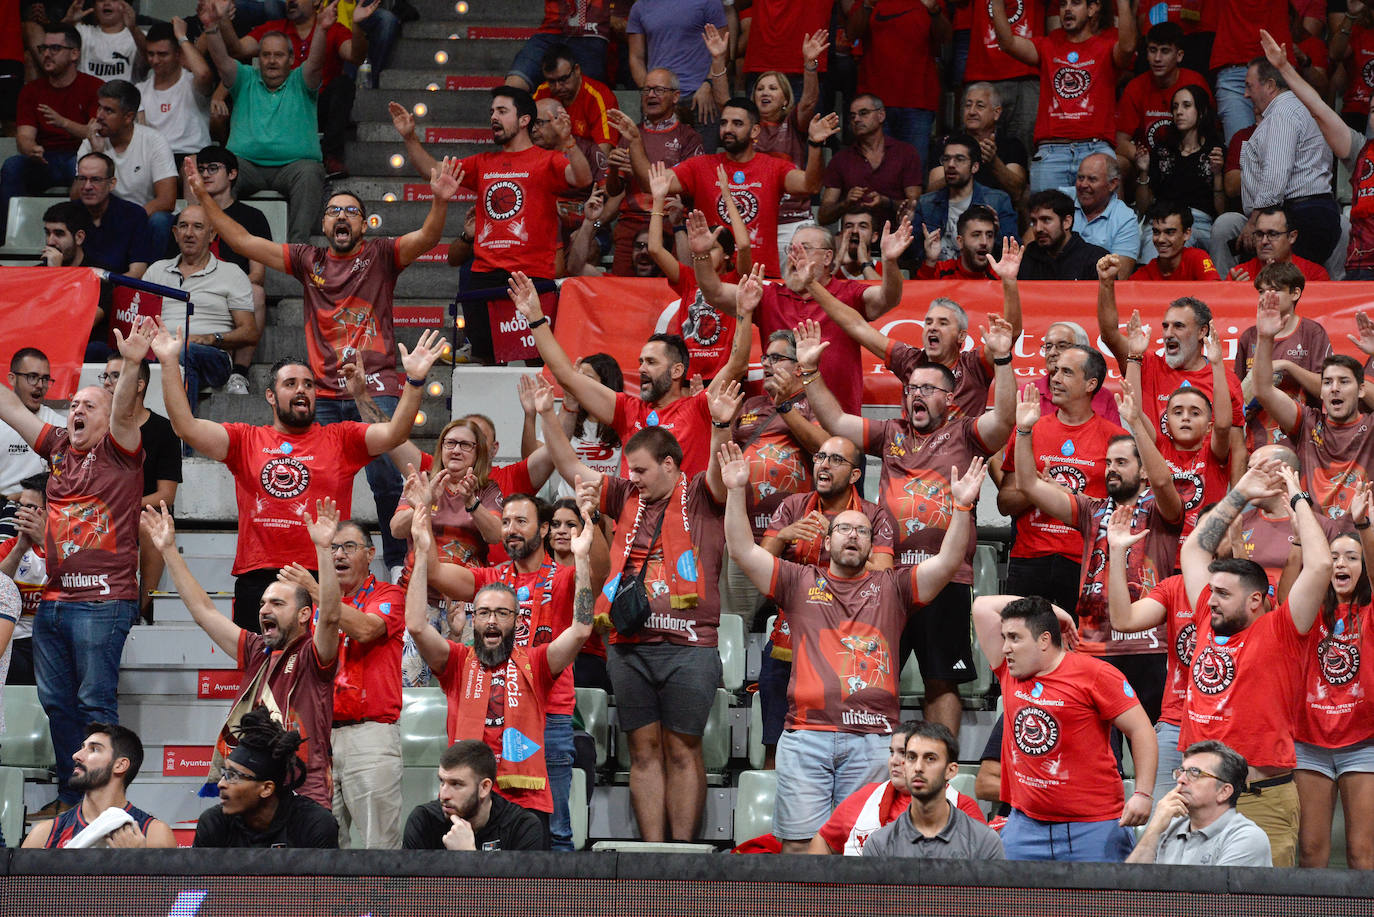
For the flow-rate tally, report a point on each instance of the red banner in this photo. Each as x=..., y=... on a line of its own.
x=130, y=306
x=51, y=308
x=215, y=684
x=617, y=314
x=186, y=760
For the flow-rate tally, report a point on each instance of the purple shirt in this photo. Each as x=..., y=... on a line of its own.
x=899, y=170
x=672, y=36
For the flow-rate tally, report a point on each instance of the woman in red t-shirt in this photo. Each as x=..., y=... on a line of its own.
x=1334, y=730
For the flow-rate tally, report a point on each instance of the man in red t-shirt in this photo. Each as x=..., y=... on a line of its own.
x=845, y=621
x=1078, y=74
x=586, y=100
x=1248, y=662
x=497, y=691
x=91, y=545
x=777, y=31
x=280, y=467
x=1171, y=228
x=757, y=181
x=1058, y=770
x=289, y=667
x=1237, y=43
x=1145, y=104
x=1274, y=239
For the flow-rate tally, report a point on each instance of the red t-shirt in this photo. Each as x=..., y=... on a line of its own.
x=545, y=597
x=1144, y=108
x=1359, y=87
x=1238, y=27
x=780, y=26
x=986, y=60
x=1199, y=476
x=1310, y=269
x=757, y=187
x=952, y=267
x=456, y=535
x=1158, y=381
x=300, y=47
x=348, y=300
x=1056, y=762
x=94, y=499
x=368, y=687
x=898, y=63
x=517, y=208
x=277, y=474
x=1335, y=711
x=688, y=419
x=972, y=375
x=1077, y=87
x=778, y=464
x=76, y=102
x=860, y=814
x=842, y=363
x=707, y=331
x=587, y=110
x=1182, y=640
x=845, y=635
x=1245, y=688
x=1195, y=264
x=1075, y=457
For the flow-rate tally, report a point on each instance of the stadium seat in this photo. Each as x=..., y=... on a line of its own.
x=911, y=685
x=758, y=754
x=715, y=741
x=1127, y=760
x=24, y=231
x=579, y=810
x=275, y=211
x=424, y=735
x=12, y=805
x=650, y=847
x=26, y=742
x=754, y=798
x=964, y=780
x=592, y=704
x=418, y=786
x=730, y=642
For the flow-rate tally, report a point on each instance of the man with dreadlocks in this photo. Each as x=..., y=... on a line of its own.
x=258, y=803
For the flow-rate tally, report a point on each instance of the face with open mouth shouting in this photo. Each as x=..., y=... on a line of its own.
x=281, y=616
x=1340, y=393
x=1183, y=334
x=88, y=420
x=292, y=395
x=1347, y=565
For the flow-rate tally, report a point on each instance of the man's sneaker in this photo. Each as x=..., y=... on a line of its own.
x=237, y=385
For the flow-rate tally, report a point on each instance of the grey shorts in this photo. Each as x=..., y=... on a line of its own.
x=1333, y=762
x=664, y=683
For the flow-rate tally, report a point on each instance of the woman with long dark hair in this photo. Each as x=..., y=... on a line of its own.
x=596, y=444
x=1184, y=162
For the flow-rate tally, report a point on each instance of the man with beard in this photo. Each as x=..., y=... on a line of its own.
x=106, y=763
x=854, y=260
x=1171, y=228
x=280, y=467
x=349, y=288
x=1247, y=667
x=64, y=233
x=499, y=692
x=367, y=692
x=877, y=173
x=1058, y=771
x=287, y=667
x=975, y=239
x=1058, y=253
x=1186, y=324
x=757, y=181
x=1002, y=156
x=845, y=622
x=1140, y=489
x=544, y=591
x=941, y=211
x=917, y=451
x=468, y=815
x=935, y=828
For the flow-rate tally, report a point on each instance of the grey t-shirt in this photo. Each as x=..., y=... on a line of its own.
x=962, y=838
x=1231, y=840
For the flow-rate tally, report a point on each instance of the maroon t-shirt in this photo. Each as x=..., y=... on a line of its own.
x=778, y=465
x=1334, y=456
x=845, y=634
x=669, y=142
x=694, y=626
x=92, y=529
x=842, y=363
x=1268, y=540
x=76, y=102
x=792, y=508
x=348, y=311
x=972, y=375
x=1307, y=347
x=899, y=169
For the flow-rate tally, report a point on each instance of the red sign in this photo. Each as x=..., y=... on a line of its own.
x=426, y=316
x=186, y=760
x=185, y=836
x=457, y=135
x=423, y=192
x=588, y=323
x=215, y=684
x=130, y=306
x=34, y=303
x=486, y=31
x=456, y=83
x=436, y=255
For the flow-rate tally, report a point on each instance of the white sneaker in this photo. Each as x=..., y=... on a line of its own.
x=237, y=385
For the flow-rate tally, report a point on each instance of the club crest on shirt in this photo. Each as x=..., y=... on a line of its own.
x=1035, y=731
x=1340, y=661
x=1213, y=671
x=1185, y=643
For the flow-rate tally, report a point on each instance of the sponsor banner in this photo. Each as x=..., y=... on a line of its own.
x=35, y=302
x=486, y=31
x=420, y=316
x=458, y=83
x=218, y=684
x=457, y=135
x=130, y=306
x=436, y=255
x=186, y=760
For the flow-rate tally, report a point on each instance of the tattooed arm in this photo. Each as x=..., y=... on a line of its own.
x=1200, y=549
x=565, y=647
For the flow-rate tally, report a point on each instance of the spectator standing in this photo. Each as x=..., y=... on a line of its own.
x=586, y=100
x=877, y=173
x=1016, y=84
x=667, y=35
x=175, y=95
x=113, y=47
x=896, y=35
x=777, y=30
x=583, y=26
x=1239, y=24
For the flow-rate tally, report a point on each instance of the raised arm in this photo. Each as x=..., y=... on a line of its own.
x=124, y=410
x=404, y=123
x=848, y=318
x=312, y=70
x=161, y=531
x=1123, y=52
x=1151, y=461
x=634, y=143
x=207, y=437
x=823, y=402
x=202, y=79
x=1275, y=402
x=1221, y=409
x=1334, y=130
x=658, y=187
x=756, y=562
x=21, y=419
x=995, y=426
x=434, y=649
x=744, y=246
x=224, y=62
x=565, y=460
x=330, y=604
x=444, y=180
x=808, y=180
x=1108, y=319
x=591, y=394
x=1200, y=548
x=1050, y=499
x=934, y=573
x=383, y=437
x=239, y=239
x=700, y=240
x=1127, y=616
x=884, y=297
x=1023, y=49
x=565, y=647
x=1007, y=268
x=724, y=398
x=1309, y=589
x=814, y=47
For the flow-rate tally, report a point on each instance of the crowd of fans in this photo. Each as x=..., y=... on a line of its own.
x=1186, y=580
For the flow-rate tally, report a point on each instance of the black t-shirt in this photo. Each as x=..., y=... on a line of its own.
x=162, y=452
x=299, y=822
x=508, y=827
x=247, y=216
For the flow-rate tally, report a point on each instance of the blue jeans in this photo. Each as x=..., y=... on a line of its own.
x=205, y=366
x=558, y=758
x=1233, y=107
x=382, y=29
x=913, y=126
x=76, y=652
x=818, y=770
x=1026, y=838
x=590, y=54
x=252, y=13
x=21, y=176
x=1055, y=165
x=382, y=476
x=1170, y=757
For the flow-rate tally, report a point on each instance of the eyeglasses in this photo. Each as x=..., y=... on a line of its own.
x=772, y=359
x=39, y=379
x=658, y=90
x=812, y=248
x=925, y=389
x=954, y=158
x=334, y=210
x=641, y=246
x=108, y=377
x=210, y=168
x=88, y=180
x=54, y=49
x=540, y=122
x=863, y=112
x=847, y=528
x=560, y=80
x=1050, y=347
x=459, y=445
x=1270, y=234
x=1194, y=773
x=230, y=775
x=830, y=458
x=505, y=614
x=348, y=548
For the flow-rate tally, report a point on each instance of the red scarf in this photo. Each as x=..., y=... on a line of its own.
x=519, y=762
x=679, y=560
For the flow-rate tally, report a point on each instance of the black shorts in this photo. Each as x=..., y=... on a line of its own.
x=938, y=633
x=1055, y=577
x=664, y=683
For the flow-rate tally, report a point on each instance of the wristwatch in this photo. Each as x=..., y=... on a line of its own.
x=219, y=340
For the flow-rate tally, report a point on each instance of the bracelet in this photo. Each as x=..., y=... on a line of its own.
x=1362, y=525
x=1301, y=495
x=963, y=507
x=712, y=76
x=1001, y=361
x=1143, y=793
x=465, y=237
x=815, y=143
x=1131, y=359
x=721, y=424
x=704, y=256
x=804, y=373
x=541, y=320
x=1023, y=432
x=807, y=380
x=1142, y=180
x=473, y=508
x=656, y=213
x=418, y=383
x=812, y=67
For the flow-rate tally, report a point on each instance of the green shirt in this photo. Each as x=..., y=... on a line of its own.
x=273, y=127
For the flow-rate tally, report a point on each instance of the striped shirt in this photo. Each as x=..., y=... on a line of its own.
x=1286, y=157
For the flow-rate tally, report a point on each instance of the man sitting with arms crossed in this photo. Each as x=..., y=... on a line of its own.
x=468, y=815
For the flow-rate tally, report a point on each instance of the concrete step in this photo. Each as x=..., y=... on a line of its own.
x=162, y=720
x=419, y=281
x=445, y=77
x=478, y=12
x=444, y=108
x=461, y=55
x=173, y=646
x=168, y=608
x=388, y=157
x=436, y=135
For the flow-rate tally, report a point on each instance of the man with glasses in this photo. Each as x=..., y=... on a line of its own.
x=845, y=622
x=667, y=140
x=290, y=666
x=939, y=211
x=30, y=378
x=1002, y=158
x=877, y=173
x=1274, y=239
x=118, y=239
x=587, y=100
x=54, y=112
x=1196, y=823
x=551, y=129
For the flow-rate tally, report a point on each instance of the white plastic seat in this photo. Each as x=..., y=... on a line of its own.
x=24, y=230
x=755, y=796
x=730, y=643
x=26, y=742
x=424, y=731
x=593, y=704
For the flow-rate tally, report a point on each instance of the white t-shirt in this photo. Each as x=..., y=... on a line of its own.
x=180, y=114
x=949, y=241
x=147, y=159
x=17, y=460
x=108, y=55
